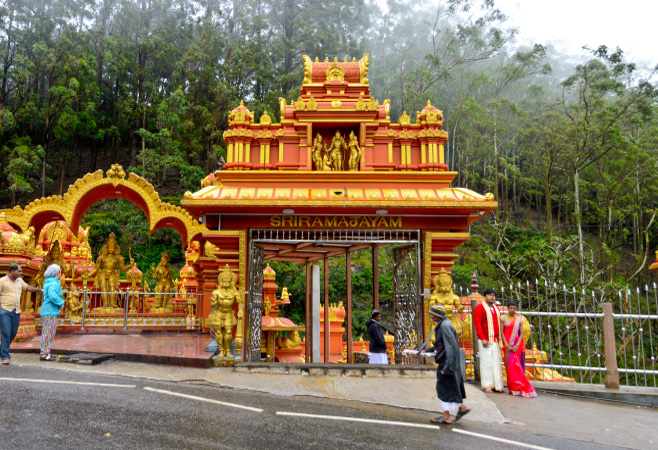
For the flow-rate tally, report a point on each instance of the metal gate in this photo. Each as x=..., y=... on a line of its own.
x=407, y=304
x=255, y=307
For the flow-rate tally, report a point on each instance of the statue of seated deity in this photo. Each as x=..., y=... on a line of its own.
x=443, y=294
x=164, y=288
x=222, y=317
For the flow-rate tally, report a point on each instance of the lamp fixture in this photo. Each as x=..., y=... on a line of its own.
x=288, y=211
x=381, y=212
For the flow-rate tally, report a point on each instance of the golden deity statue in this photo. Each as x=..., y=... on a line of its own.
x=443, y=294
x=285, y=296
x=134, y=277
x=73, y=304
x=355, y=152
x=54, y=256
x=164, y=288
x=107, y=275
x=336, y=152
x=318, y=150
x=222, y=317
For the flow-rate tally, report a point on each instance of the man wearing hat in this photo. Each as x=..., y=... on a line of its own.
x=486, y=317
x=449, y=381
x=377, y=349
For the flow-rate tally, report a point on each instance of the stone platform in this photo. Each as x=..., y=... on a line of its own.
x=180, y=349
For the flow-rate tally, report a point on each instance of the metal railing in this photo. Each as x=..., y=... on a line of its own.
x=593, y=336
x=127, y=309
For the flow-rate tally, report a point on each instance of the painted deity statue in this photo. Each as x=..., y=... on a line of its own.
x=164, y=287
x=443, y=294
x=222, y=317
x=336, y=152
x=355, y=152
x=54, y=256
x=318, y=150
x=107, y=275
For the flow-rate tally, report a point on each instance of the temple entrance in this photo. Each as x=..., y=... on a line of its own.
x=317, y=246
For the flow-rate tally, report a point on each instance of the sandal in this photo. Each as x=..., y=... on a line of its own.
x=50, y=358
x=42, y=357
x=440, y=419
x=5, y=362
x=461, y=413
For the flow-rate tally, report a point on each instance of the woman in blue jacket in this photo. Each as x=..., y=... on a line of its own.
x=52, y=305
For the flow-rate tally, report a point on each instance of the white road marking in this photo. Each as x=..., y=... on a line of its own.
x=357, y=419
x=202, y=399
x=484, y=436
x=81, y=383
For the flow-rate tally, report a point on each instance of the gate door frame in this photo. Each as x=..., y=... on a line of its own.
x=255, y=302
x=407, y=303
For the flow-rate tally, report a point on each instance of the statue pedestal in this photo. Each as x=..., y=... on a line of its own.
x=26, y=327
x=107, y=310
x=161, y=310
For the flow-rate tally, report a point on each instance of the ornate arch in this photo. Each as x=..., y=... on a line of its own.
x=94, y=187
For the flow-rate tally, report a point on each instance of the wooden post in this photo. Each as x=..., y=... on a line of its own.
x=610, y=348
x=348, y=315
x=309, y=314
x=474, y=340
x=327, y=330
x=375, y=277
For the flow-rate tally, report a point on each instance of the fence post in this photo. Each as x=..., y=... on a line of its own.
x=474, y=341
x=610, y=348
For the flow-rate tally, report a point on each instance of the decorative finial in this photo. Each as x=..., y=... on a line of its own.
x=474, y=283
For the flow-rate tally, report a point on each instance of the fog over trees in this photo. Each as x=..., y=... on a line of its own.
x=568, y=144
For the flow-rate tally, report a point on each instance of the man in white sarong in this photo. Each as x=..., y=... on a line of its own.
x=486, y=317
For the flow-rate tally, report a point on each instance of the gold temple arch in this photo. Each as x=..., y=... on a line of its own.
x=97, y=186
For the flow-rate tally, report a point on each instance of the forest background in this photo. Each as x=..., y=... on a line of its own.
x=566, y=143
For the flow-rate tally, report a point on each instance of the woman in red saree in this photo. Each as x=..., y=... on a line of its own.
x=517, y=383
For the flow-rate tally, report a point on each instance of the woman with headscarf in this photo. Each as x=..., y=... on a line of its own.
x=50, y=309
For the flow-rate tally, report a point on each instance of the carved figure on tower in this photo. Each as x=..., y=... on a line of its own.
x=355, y=152
x=164, y=287
x=318, y=150
x=336, y=152
x=443, y=294
x=222, y=317
x=107, y=275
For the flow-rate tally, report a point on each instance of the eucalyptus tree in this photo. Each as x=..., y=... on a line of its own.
x=596, y=99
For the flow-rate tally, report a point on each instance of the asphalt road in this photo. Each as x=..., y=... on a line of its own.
x=46, y=408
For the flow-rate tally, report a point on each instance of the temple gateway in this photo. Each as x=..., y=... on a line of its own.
x=335, y=176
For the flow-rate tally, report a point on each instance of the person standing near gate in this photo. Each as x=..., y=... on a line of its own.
x=486, y=317
x=52, y=305
x=377, y=348
x=517, y=382
x=11, y=291
x=449, y=380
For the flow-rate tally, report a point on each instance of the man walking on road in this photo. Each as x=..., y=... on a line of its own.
x=377, y=348
x=449, y=380
x=11, y=291
x=487, y=325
